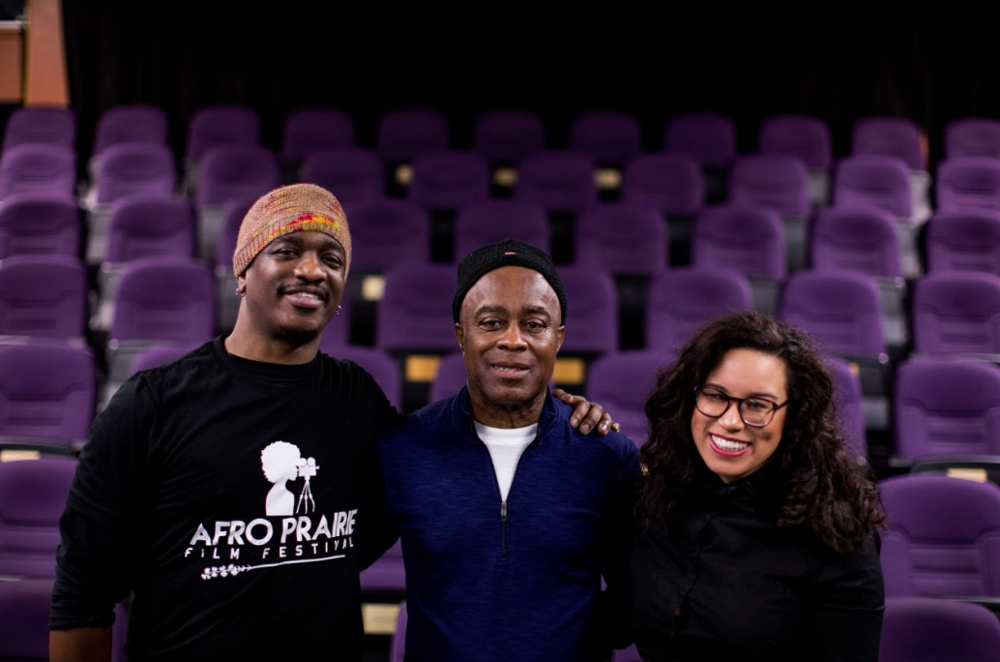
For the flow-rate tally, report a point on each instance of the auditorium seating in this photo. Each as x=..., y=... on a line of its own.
x=700, y=220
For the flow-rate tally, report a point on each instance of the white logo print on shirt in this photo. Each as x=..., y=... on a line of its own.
x=296, y=538
x=283, y=462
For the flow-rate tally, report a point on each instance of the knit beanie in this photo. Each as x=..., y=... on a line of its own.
x=506, y=253
x=294, y=208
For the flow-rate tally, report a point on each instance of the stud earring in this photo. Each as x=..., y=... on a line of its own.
x=338, y=311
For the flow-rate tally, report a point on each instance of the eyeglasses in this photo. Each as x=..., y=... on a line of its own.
x=755, y=412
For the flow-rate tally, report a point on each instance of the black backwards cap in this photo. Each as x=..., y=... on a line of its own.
x=506, y=253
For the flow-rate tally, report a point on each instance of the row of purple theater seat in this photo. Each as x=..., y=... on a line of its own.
x=945, y=311
x=448, y=179
x=511, y=137
x=505, y=135
x=849, y=328
x=626, y=239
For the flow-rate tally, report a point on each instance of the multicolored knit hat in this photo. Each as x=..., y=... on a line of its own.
x=295, y=208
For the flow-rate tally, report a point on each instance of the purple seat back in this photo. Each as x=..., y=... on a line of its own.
x=405, y=134
x=150, y=226
x=749, y=239
x=492, y=220
x=956, y=312
x=802, y=136
x=622, y=382
x=449, y=180
x=129, y=123
x=608, y=138
x=968, y=181
x=38, y=167
x=235, y=211
x=943, y=537
x=972, y=136
x=337, y=333
x=919, y=629
x=946, y=406
x=25, y=607
x=214, y=126
x=592, y=304
x=47, y=390
x=889, y=136
x=450, y=377
x=681, y=300
x=397, y=646
x=311, y=130
x=860, y=239
x=671, y=183
x=708, y=138
x=622, y=239
x=557, y=182
x=773, y=181
x=382, y=367
x=507, y=136
x=630, y=654
x=353, y=174
x=874, y=180
x=159, y=355
x=414, y=313
x=848, y=404
x=136, y=168
x=840, y=309
x=386, y=573
x=43, y=296
x=164, y=299
x=962, y=240
x=40, y=125
x=388, y=232
x=32, y=499
x=236, y=171
x=38, y=223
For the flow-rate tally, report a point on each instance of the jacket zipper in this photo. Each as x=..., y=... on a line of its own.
x=503, y=528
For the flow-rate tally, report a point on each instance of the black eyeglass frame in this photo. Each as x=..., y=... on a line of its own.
x=739, y=407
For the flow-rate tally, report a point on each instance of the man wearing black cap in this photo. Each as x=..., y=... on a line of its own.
x=508, y=516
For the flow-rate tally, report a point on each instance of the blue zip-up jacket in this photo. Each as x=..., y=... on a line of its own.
x=517, y=580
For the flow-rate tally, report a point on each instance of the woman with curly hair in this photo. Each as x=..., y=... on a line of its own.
x=759, y=529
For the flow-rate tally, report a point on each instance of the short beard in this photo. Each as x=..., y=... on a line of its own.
x=298, y=338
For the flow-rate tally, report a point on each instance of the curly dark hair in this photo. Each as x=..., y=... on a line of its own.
x=823, y=487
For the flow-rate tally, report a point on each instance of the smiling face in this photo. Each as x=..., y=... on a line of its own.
x=509, y=331
x=729, y=447
x=293, y=287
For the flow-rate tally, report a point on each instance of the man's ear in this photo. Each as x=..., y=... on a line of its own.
x=460, y=336
x=241, y=284
x=561, y=331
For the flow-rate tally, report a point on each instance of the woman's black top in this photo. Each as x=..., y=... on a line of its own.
x=727, y=581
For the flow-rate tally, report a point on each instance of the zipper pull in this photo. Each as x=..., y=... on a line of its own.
x=503, y=511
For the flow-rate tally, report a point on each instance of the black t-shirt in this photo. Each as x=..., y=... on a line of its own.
x=237, y=501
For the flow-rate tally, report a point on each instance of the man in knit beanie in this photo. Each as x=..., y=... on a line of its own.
x=535, y=513
x=291, y=261
x=175, y=499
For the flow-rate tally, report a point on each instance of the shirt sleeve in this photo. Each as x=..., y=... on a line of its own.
x=100, y=527
x=380, y=532
x=615, y=599
x=848, y=606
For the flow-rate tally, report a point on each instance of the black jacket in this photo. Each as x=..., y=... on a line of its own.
x=726, y=581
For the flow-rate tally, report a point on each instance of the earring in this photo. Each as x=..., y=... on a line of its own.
x=338, y=311
x=240, y=294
